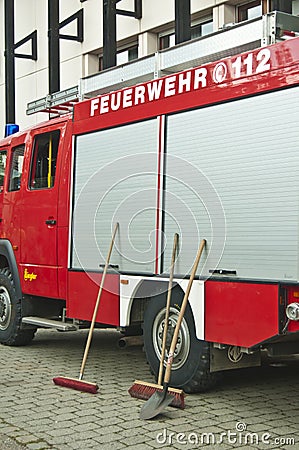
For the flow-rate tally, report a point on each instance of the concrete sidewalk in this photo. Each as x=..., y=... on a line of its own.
x=35, y=414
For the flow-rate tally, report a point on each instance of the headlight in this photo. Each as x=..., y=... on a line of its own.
x=292, y=311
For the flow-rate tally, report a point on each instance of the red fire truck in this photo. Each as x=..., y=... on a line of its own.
x=209, y=152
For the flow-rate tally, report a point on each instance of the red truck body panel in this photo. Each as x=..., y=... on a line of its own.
x=82, y=294
x=241, y=314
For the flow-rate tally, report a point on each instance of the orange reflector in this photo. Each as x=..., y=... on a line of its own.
x=124, y=281
x=15, y=247
x=296, y=294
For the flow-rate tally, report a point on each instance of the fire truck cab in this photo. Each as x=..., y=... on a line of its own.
x=34, y=223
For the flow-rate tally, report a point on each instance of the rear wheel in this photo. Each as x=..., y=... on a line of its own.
x=191, y=363
x=10, y=313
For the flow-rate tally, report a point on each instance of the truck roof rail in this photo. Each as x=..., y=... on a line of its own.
x=57, y=104
x=230, y=40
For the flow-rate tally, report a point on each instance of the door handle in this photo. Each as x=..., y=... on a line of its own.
x=51, y=222
x=110, y=266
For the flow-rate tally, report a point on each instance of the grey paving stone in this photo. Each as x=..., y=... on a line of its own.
x=26, y=439
x=38, y=446
x=42, y=415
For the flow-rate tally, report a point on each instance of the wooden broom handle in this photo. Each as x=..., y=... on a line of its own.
x=181, y=313
x=174, y=249
x=97, y=303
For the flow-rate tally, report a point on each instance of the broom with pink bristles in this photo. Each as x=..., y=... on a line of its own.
x=79, y=384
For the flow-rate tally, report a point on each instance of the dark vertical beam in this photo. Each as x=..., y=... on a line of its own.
x=282, y=5
x=9, y=62
x=138, y=9
x=54, y=53
x=182, y=21
x=109, y=33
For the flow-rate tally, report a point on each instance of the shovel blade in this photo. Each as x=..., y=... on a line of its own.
x=155, y=405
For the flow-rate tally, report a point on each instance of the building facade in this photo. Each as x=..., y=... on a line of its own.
x=82, y=56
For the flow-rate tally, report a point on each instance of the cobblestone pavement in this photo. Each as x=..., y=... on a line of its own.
x=251, y=409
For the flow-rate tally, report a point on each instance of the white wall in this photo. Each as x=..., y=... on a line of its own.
x=81, y=59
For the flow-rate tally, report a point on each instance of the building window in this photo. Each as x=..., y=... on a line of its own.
x=202, y=29
x=249, y=11
x=295, y=7
x=16, y=168
x=199, y=30
x=282, y=5
x=123, y=56
x=129, y=54
x=166, y=41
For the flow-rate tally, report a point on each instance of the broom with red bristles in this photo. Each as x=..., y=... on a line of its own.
x=143, y=390
x=160, y=400
x=75, y=383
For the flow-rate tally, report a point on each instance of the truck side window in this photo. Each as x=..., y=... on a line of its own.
x=16, y=168
x=43, y=164
x=3, y=158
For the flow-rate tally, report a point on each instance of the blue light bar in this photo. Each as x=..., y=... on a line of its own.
x=11, y=128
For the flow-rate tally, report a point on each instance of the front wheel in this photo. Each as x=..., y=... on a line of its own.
x=10, y=313
x=191, y=363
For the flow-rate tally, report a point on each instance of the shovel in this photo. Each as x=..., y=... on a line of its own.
x=160, y=400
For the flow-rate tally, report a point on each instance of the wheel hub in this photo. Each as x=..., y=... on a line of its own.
x=183, y=343
x=5, y=308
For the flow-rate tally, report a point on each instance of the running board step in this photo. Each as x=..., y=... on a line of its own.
x=48, y=323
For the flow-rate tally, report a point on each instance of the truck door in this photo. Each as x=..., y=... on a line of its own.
x=11, y=196
x=39, y=215
x=3, y=158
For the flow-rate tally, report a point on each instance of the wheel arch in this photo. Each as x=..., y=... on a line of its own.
x=145, y=289
x=142, y=293
x=8, y=259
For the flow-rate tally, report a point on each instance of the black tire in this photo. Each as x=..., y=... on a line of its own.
x=191, y=364
x=11, y=314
